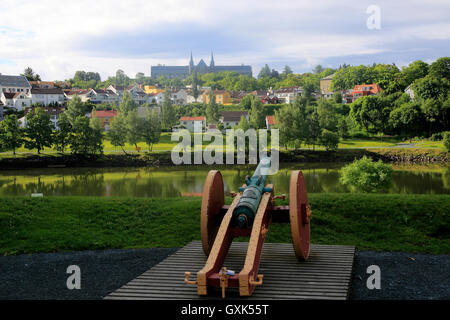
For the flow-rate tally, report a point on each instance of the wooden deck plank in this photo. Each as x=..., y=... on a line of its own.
x=326, y=275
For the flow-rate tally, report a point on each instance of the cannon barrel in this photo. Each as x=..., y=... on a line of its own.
x=245, y=211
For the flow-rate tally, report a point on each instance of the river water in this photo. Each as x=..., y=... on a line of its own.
x=176, y=181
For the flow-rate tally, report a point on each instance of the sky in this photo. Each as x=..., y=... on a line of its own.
x=58, y=37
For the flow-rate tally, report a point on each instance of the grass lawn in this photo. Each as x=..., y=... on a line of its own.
x=410, y=223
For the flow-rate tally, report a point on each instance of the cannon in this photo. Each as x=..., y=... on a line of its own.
x=250, y=215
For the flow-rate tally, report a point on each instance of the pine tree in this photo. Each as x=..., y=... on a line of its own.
x=212, y=109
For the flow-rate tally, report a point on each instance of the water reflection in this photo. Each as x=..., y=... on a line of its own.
x=173, y=181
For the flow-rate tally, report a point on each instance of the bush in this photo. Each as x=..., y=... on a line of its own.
x=366, y=176
x=329, y=139
x=446, y=140
x=437, y=136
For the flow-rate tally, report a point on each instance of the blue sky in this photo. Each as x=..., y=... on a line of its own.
x=57, y=38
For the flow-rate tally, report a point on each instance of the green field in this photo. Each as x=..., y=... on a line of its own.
x=410, y=223
x=165, y=144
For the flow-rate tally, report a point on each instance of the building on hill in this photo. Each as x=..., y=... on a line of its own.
x=105, y=117
x=183, y=72
x=190, y=122
x=325, y=86
x=14, y=84
x=229, y=119
x=15, y=100
x=363, y=90
x=288, y=94
x=53, y=112
x=222, y=96
x=43, y=84
x=44, y=97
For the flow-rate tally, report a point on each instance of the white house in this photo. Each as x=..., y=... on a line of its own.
x=178, y=96
x=53, y=112
x=288, y=94
x=17, y=100
x=14, y=84
x=98, y=96
x=190, y=122
x=157, y=98
x=44, y=97
x=190, y=97
x=410, y=92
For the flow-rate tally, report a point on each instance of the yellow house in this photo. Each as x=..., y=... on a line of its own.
x=152, y=89
x=325, y=84
x=222, y=97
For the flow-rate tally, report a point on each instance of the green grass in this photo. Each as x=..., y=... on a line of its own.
x=410, y=223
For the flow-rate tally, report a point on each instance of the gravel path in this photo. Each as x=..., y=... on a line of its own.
x=43, y=276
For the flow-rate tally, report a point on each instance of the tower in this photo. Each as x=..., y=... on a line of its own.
x=212, y=65
x=191, y=65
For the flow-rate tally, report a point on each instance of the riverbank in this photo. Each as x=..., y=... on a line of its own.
x=156, y=159
x=379, y=222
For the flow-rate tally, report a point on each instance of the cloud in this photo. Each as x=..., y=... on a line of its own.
x=58, y=37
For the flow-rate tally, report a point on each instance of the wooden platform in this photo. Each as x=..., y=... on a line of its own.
x=326, y=274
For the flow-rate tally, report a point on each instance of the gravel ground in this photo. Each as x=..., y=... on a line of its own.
x=43, y=276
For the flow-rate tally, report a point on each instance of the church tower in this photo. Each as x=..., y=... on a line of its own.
x=191, y=65
x=212, y=65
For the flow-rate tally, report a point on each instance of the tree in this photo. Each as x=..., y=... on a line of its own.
x=313, y=129
x=407, y=119
x=416, y=70
x=11, y=135
x=151, y=128
x=337, y=97
x=265, y=72
x=133, y=124
x=39, y=130
x=342, y=127
x=318, y=69
x=195, y=84
x=291, y=124
x=431, y=88
x=117, y=132
x=30, y=75
x=329, y=139
x=212, y=109
x=327, y=115
x=139, y=78
x=243, y=124
x=87, y=136
x=167, y=112
x=62, y=137
x=127, y=104
x=286, y=71
x=446, y=140
x=371, y=113
x=257, y=117
x=246, y=101
x=75, y=109
x=365, y=175
x=441, y=68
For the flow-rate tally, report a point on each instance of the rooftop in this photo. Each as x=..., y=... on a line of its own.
x=14, y=81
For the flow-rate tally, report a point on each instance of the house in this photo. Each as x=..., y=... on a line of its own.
x=142, y=111
x=270, y=99
x=153, y=89
x=288, y=94
x=347, y=96
x=70, y=93
x=45, y=97
x=16, y=100
x=191, y=99
x=190, y=122
x=363, y=90
x=14, y=84
x=325, y=86
x=157, y=98
x=105, y=117
x=178, y=96
x=98, y=96
x=270, y=122
x=53, y=112
x=222, y=96
x=229, y=119
x=43, y=84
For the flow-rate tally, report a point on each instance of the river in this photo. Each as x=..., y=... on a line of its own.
x=176, y=181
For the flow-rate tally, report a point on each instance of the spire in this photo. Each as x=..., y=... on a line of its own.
x=191, y=64
x=212, y=64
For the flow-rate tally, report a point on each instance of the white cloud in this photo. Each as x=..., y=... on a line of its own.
x=47, y=34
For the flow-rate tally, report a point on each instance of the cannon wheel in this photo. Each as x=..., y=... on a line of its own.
x=213, y=199
x=300, y=215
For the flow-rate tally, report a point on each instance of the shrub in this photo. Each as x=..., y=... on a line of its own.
x=437, y=136
x=366, y=176
x=329, y=139
x=446, y=140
